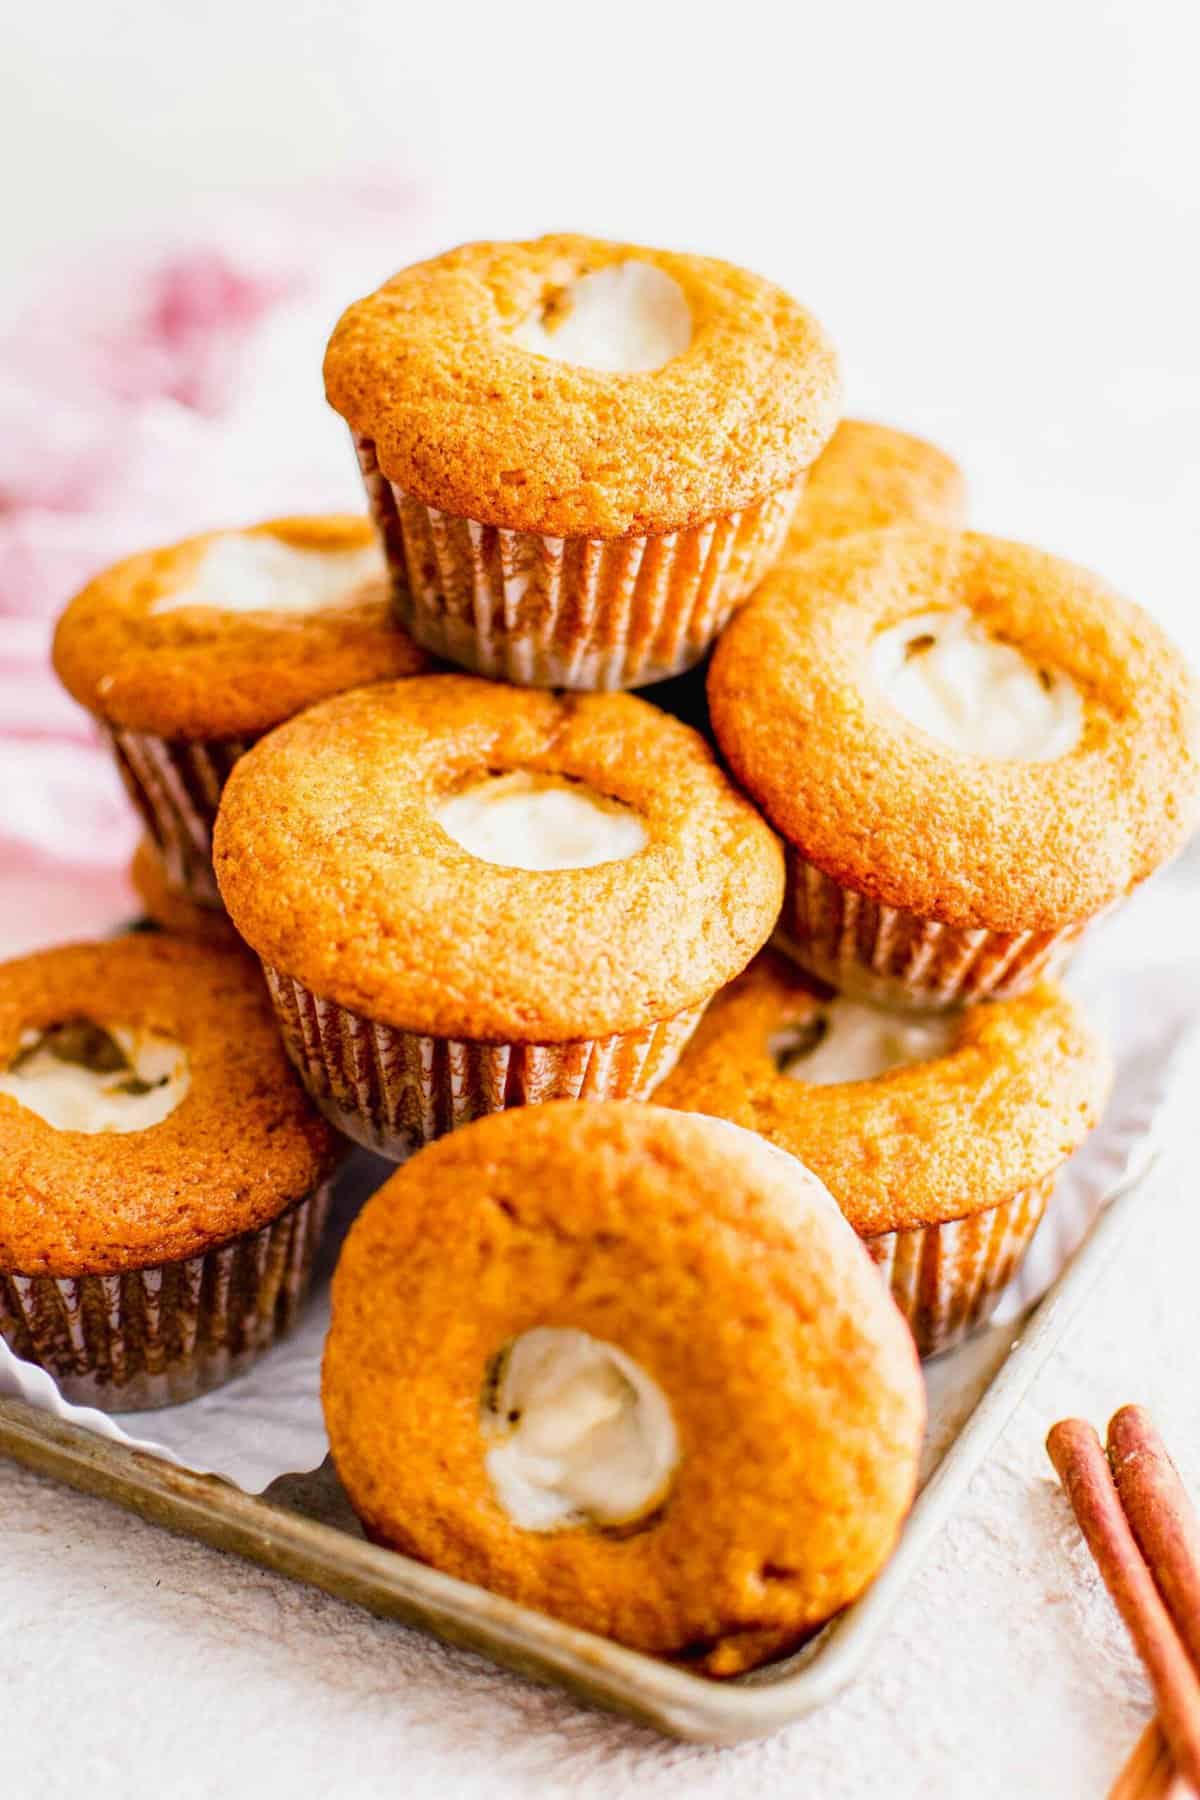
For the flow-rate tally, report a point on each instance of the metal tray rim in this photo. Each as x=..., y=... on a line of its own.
x=667, y=1697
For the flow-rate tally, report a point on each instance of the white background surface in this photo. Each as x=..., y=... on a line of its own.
x=995, y=210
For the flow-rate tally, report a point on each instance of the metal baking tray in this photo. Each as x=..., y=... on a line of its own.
x=302, y=1526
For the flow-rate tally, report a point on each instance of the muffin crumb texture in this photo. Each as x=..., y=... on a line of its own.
x=870, y=477
x=242, y=1145
x=1014, y=1089
x=142, y=663
x=726, y=1274
x=335, y=870
x=434, y=372
x=871, y=802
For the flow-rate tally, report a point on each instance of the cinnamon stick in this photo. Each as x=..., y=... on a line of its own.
x=1161, y=1517
x=1149, y=1773
x=1083, y=1468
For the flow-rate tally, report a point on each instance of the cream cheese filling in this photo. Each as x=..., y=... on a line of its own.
x=525, y=820
x=255, y=572
x=947, y=674
x=578, y=1432
x=79, y=1076
x=622, y=320
x=847, y=1041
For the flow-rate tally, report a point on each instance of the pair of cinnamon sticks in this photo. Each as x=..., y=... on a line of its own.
x=1141, y=1528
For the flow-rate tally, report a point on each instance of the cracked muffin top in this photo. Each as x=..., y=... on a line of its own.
x=961, y=727
x=229, y=633
x=147, y=1109
x=456, y=857
x=570, y=386
x=869, y=477
x=673, y=1313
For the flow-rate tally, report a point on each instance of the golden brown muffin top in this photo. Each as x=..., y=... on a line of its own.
x=334, y=870
x=467, y=421
x=202, y=672
x=173, y=911
x=240, y=1147
x=885, y=809
x=723, y=1270
x=869, y=477
x=1021, y=1086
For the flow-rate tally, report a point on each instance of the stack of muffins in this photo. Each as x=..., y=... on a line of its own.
x=629, y=1363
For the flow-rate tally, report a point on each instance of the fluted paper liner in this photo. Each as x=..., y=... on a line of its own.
x=393, y=1090
x=281, y=1428
x=583, y=613
x=176, y=787
x=947, y=1278
x=898, y=959
x=157, y=1336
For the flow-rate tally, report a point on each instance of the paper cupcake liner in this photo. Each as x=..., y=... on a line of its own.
x=393, y=1091
x=898, y=959
x=176, y=787
x=154, y=1337
x=947, y=1278
x=583, y=613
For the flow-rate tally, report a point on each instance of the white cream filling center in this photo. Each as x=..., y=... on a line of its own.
x=947, y=674
x=255, y=572
x=580, y=1434
x=623, y=320
x=847, y=1041
x=528, y=821
x=80, y=1077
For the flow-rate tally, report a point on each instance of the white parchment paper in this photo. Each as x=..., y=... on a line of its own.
x=1139, y=979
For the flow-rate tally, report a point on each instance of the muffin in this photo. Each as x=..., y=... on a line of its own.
x=940, y=1137
x=186, y=655
x=869, y=477
x=163, y=1178
x=628, y=1368
x=971, y=748
x=172, y=910
x=581, y=455
x=468, y=896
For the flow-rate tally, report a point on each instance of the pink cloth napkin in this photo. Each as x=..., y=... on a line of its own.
x=147, y=393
